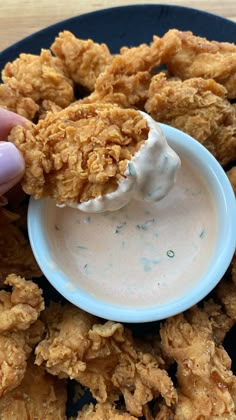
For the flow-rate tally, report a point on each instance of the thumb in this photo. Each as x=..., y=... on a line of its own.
x=12, y=166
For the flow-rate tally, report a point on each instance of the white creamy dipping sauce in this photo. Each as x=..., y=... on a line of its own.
x=146, y=253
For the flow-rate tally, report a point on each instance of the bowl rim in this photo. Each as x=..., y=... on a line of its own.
x=178, y=140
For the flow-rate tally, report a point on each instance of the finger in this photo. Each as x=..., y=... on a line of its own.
x=8, y=120
x=12, y=166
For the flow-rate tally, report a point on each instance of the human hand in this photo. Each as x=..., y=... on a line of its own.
x=12, y=164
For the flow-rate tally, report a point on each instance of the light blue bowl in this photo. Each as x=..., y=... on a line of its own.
x=224, y=199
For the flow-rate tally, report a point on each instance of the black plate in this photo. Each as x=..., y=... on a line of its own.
x=129, y=26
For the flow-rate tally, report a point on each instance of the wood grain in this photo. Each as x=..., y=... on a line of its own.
x=19, y=18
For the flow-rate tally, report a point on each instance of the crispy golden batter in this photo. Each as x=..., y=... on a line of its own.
x=20, y=308
x=12, y=100
x=20, y=330
x=79, y=153
x=221, y=322
x=15, y=348
x=206, y=385
x=104, y=411
x=226, y=292
x=160, y=411
x=15, y=251
x=48, y=106
x=83, y=59
x=126, y=80
x=198, y=107
x=39, y=396
x=39, y=77
x=102, y=357
x=232, y=177
x=187, y=56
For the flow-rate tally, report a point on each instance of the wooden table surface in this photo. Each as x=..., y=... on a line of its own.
x=19, y=18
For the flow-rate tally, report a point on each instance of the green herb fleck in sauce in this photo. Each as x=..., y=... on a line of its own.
x=202, y=234
x=148, y=263
x=145, y=225
x=120, y=227
x=86, y=269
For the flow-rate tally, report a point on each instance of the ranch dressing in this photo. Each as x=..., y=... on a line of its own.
x=144, y=254
x=149, y=176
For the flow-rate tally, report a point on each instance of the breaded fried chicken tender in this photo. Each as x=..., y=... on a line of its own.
x=104, y=411
x=226, y=292
x=39, y=77
x=206, y=385
x=12, y=100
x=158, y=411
x=39, y=396
x=83, y=59
x=198, y=107
x=221, y=322
x=20, y=308
x=187, y=56
x=15, y=252
x=126, y=80
x=79, y=153
x=15, y=349
x=20, y=329
x=232, y=177
x=48, y=106
x=103, y=357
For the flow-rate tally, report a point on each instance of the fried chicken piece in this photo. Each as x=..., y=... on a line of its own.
x=221, y=322
x=126, y=80
x=79, y=153
x=199, y=108
x=102, y=357
x=104, y=411
x=15, y=348
x=206, y=385
x=187, y=56
x=83, y=59
x=39, y=77
x=20, y=329
x=160, y=412
x=39, y=396
x=48, y=106
x=15, y=251
x=12, y=100
x=226, y=292
x=21, y=307
x=232, y=177
x=152, y=345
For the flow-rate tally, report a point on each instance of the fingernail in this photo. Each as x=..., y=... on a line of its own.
x=11, y=162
